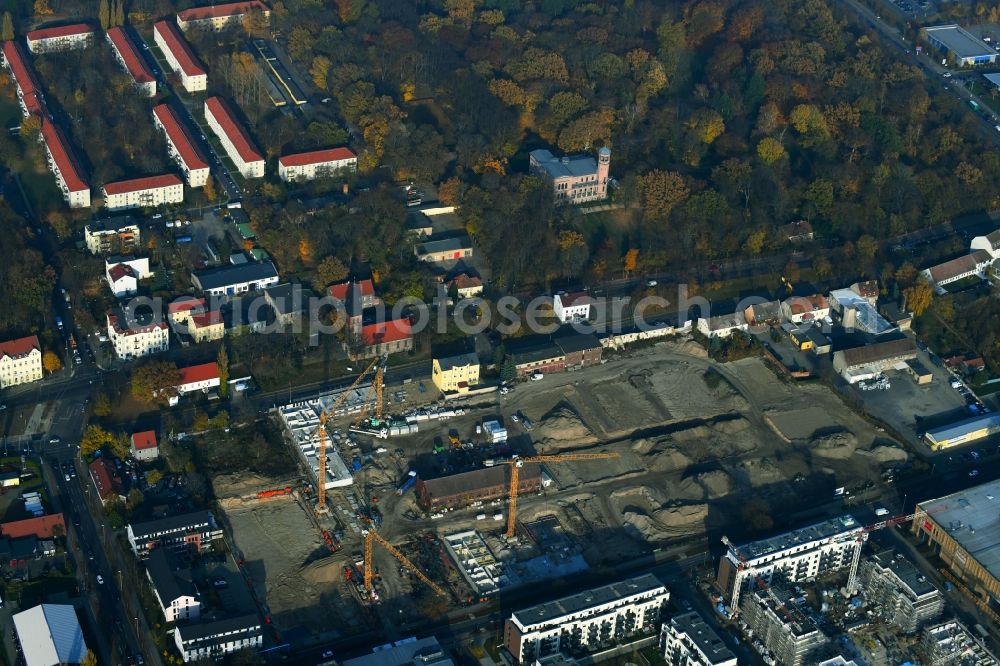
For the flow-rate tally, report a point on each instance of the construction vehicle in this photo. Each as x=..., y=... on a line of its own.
x=275, y=492
x=371, y=536
x=321, y=430
x=517, y=462
x=454, y=440
x=411, y=478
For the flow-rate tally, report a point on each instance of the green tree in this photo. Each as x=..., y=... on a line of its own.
x=120, y=446
x=133, y=500
x=7, y=31
x=508, y=370
x=94, y=439
x=770, y=150
x=153, y=477
x=222, y=360
x=104, y=14
x=102, y=404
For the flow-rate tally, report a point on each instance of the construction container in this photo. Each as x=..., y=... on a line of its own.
x=356, y=464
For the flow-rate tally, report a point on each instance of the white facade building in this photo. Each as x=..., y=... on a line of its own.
x=973, y=264
x=62, y=162
x=172, y=586
x=232, y=280
x=722, y=326
x=181, y=146
x=144, y=192
x=575, y=179
x=588, y=620
x=220, y=17
x=572, y=306
x=123, y=274
x=60, y=38
x=129, y=57
x=180, y=57
x=111, y=235
x=133, y=339
x=317, y=164
x=801, y=554
x=687, y=640
x=20, y=361
x=210, y=639
x=248, y=159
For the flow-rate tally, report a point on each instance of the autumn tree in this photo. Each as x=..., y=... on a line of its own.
x=7, y=28
x=450, y=191
x=102, y=404
x=222, y=361
x=104, y=14
x=118, y=13
x=42, y=8
x=319, y=71
x=95, y=438
x=918, y=297
x=51, y=362
x=770, y=150
x=331, y=270
x=155, y=381
x=661, y=191
x=209, y=189
x=89, y=659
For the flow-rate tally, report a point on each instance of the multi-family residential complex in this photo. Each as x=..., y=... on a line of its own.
x=802, y=554
x=60, y=38
x=209, y=639
x=407, y=652
x=173, y=587
x=181, y=146
x=455, y=373
x=245, y=155
x=575, y=179
x=134, y=339
x=687, y=640
x=951, y=644
x=20, y=361
x=586, y=621
x=220, y=17
x=144, y=192
x=64, y=166
x=180, y=57
x=903, y=597
x=29, y=92
x=231, y=280
x=785, y=627
x=130, y=58
x=317, y=164
x=197, y=529
x=117, y=234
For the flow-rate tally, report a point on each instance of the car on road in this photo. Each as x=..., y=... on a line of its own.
x=328, y=654
x=515, y=418
x=100, y=579
x=973, y=473
x=947, y=75
x=67, y=478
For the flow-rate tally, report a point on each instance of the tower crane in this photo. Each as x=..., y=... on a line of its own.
x=376, y=391
x=371, y=536
x=321, y=430
x=518, y=462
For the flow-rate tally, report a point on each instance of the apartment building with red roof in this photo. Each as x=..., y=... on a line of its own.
x=40, y=527
x=20, y=361
x=64, y=166
x=387, y=337
x=109, y=483
x=317, y=164
x=132, y=338
x=146, y=192
x=222, y=16
x=181, y=146
x=60, y=38
x=249, y=160
x=128, y=55
x=180, y=57
x=29, y=93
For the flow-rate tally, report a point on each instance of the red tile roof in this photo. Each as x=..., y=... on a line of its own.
x=42, y=527
x=389, y=331
x=106, y=478
x=317, y=157
x=574, y=298
x=59, y=31
x=180, y=137
x=206, y=318
x=219, y=11
x=144, y=440
x=235, y=131
x=139, y=184
x=185, y=305
x=464, y=281
x=134, y=62
x=24, y=75
x=19, y=347
x=64, y=158
x=341, y=289
x=118, y=271
x=179, y=47
x=199, y=373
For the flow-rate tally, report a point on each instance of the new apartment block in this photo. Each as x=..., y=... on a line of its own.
x=180, y=57
x=123, y=45
x=784, y=625
x=687, y=640
x=20, y=361
x=952, y=644
x=317, y=164
x=587, y=621
x=210, y=639
x=118, y=234
x=172, y=586
x=181, y=146
x=903, y=597
x=233, y=135
x=197, y=529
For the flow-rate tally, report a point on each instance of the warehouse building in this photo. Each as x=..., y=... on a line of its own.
x=145, y=192
x=802, y=554
x=687, y=640
x=129, y=57
x=180, y=57
x=234, y=138
x=60, y=38
x=904, y=598
x=181, y=146
x=587, y=621
x=861, y=363
x=790, y=633
x=956, y=41
x=316, y=164
x=483, y=484
x=50, y=634
x=963, y=529
x=963, y=432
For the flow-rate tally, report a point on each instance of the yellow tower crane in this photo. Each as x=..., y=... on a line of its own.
x=371, y=536
x=321, y=430
x=518, y=462
x=375, y=391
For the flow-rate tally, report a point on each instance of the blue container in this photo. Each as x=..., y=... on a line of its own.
x=356, y=464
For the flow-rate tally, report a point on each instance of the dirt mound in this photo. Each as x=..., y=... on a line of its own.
x=839, y=439
x=716, y=439
x=888, y=453
x=661, y=455
x=323, y=571
x=667, y=523
x=562, y=428
x=709, y=485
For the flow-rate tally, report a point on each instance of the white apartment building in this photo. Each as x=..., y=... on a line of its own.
x=172, y=587
x=20, y=361
x=687, y=640
x=145, y=192
x=180, y=57
x=317, y=164
x=111, y=235
x=802, y=554
x=135, y=339
x=586, y=621
x=197, y=530
x=60, y=38
x=132, y=60
x=234, y=138
x=790, y=635
x=181, y=146
x=572, y=306
x=220, y=17
x=62, y=162
x=210, y=639
x=575, y=179
x=29, y=94
x=901, y=596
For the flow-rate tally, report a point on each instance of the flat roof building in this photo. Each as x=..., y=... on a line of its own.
x=483, y=484
x=963, y=432
x=60, y=38
x=147, y=192
x=197, y=529
x=586, y=621
x=230, y=280
x=951, y=644
x=180, y=57
x=904, y=598
x=115, y=234
x=443, y=249
x=958, y=42
x=64, y=166
x=123, y=45
x=790, y=634
x=50, y=634
x=212, y=638
x=687, y=640
x=317, y=164
x=221, y=16
x=405, y=652
x=234, y=137
x=181, y=145
x=802, y=554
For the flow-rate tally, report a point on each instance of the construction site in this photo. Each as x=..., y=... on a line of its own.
x=446, y=504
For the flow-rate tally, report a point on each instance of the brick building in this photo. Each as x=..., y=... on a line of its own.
x=484, y=484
